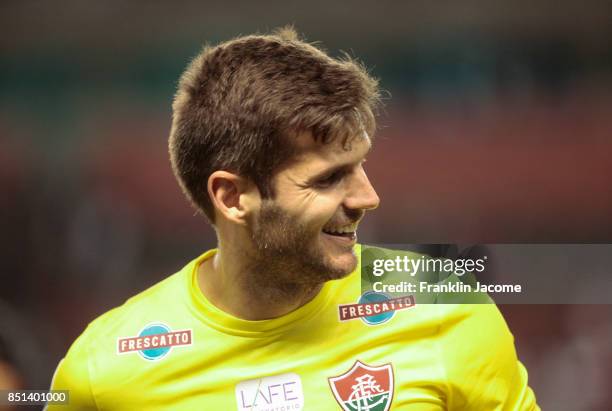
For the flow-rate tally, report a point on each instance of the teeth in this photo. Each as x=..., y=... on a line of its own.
x=342, y=230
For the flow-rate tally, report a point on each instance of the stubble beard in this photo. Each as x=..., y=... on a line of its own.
x=286, y=256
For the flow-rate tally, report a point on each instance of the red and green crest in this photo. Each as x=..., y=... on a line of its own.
x=364, y=387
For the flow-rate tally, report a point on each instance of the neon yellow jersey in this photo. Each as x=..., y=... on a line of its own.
x=170, y=348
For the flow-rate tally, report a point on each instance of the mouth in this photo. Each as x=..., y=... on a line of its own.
x=345, y=235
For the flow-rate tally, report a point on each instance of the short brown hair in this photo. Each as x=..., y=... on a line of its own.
x=238, y=104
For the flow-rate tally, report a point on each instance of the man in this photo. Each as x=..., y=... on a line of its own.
x=268, y=140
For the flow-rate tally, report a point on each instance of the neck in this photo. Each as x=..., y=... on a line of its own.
x=229, y=283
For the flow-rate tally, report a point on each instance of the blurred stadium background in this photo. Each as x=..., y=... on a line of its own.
x=497, y=128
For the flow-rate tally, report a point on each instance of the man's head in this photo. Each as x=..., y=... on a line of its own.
x=268, y=135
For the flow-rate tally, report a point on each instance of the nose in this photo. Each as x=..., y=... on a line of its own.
x=361, y=195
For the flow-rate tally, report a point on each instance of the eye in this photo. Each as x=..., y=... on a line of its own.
x=330, y=180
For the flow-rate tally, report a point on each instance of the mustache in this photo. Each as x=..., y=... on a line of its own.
x=347, y=216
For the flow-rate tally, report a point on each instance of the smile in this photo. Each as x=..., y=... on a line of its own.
x=341, y=230
x=345, y=235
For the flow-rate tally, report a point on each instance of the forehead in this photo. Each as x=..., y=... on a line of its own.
x=338, y=150
x=313, y=157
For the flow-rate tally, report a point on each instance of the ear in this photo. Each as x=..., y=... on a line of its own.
x=232, y=195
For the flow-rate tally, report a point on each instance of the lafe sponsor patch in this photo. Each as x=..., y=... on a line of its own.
x=364, y=387
x=154, y=341
x=374, y=308
x=274, y=393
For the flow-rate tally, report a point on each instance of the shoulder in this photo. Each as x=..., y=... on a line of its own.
x=480, y=360
x=160, y=299
x=93, y=358
x=473, y=327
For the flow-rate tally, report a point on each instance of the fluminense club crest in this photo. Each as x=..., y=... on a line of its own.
x=364, y=387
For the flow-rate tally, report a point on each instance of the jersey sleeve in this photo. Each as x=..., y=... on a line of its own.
x=72, y=374
x=483, y=371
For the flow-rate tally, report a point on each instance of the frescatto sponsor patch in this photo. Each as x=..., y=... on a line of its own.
x=154, y=341
x=374, y=308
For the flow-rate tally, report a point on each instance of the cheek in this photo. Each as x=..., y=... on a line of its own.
x=311, y=207
x=321, y=211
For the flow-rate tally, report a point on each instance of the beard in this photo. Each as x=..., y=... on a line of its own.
x=288, y=254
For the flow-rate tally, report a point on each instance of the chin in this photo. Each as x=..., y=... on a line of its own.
x=341, y=264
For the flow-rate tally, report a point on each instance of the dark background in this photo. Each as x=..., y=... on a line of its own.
x=497, y=128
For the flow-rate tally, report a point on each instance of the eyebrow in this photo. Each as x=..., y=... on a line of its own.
x=345, y=167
